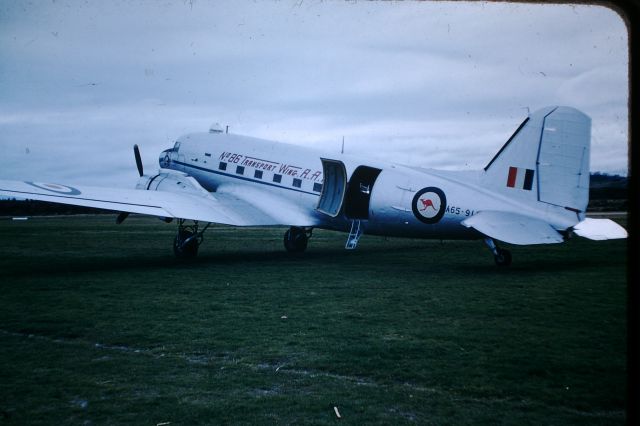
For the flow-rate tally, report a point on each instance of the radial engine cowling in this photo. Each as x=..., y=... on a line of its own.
x=171, y=182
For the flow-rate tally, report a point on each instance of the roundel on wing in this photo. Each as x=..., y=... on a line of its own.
x=429, y=204
x=54, y=187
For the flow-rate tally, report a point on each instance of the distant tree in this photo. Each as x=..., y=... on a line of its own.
x=14, y=207
x=608, y=192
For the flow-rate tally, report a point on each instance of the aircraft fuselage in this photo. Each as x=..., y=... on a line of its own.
x=389, y=199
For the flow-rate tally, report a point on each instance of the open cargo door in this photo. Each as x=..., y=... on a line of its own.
x=356, y=204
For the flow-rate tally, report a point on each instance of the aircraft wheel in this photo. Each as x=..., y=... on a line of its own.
x=503, y=258
x=295, y=240
x=185, y=250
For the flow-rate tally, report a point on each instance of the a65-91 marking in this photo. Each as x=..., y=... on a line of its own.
x=460, y=211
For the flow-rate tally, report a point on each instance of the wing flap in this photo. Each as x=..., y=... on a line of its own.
x=279, y=210
x=513, y=228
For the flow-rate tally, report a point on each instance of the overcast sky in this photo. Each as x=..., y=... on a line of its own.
x=438, y=85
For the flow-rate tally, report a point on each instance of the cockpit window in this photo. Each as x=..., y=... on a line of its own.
x=176, y=146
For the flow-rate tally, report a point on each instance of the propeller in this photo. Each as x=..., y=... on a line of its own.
x=136, y=153
x=121, y=217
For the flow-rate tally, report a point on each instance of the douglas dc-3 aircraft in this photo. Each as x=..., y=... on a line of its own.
x=534, y=191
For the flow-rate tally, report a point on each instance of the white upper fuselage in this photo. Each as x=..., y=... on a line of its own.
x=290, y=177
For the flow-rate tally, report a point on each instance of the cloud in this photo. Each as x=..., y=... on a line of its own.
x=439, y=84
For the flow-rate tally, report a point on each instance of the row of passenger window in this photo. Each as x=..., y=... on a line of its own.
x=277, y=178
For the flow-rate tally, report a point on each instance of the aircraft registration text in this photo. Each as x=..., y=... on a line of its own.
x=459, y=211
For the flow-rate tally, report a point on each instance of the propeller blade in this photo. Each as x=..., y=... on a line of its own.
x=136, y=152
x=121, y=217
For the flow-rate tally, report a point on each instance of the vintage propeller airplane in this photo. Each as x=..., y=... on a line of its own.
x=535, y=190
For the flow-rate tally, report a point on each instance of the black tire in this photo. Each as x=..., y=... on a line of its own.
x=182, y=250
x=295, y=240
x=503, y=258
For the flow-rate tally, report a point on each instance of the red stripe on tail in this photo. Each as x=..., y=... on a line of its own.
x=511, y=180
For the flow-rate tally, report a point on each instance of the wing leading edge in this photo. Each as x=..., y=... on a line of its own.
x=224, y=208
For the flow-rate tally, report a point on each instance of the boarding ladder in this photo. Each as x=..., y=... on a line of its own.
x=354, y=234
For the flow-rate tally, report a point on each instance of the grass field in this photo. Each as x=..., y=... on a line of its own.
x=100, y=325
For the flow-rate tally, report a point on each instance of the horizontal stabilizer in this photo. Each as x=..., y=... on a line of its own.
x=513, y=228
x=599, y=229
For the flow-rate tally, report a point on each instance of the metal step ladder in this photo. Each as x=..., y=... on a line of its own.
x=354, y=235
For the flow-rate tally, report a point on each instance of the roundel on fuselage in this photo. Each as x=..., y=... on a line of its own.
x=429, y=204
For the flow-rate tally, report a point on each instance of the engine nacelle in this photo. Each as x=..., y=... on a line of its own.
x=171, y=181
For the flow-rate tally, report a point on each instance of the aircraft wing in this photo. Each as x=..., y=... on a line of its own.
x=223, y=207
x=513, y=228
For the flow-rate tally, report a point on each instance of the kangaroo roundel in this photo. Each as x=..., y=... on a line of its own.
x=429, y=204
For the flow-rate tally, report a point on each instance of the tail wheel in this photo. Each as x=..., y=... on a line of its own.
x=295, y=240
x=503, y=258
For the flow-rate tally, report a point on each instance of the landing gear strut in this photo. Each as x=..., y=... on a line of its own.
x=501, y=256
x=296, y=239
x=188, y=239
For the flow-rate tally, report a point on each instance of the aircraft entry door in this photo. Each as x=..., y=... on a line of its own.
x=333, y=187
x=352, y=197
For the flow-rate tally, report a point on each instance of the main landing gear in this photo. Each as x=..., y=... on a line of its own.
x=501, y=256
x=188, y=239
x=296, y=239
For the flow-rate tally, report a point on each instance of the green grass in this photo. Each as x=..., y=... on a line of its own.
x=99, y=324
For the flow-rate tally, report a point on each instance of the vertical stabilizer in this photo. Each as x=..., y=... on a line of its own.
x=546, y=160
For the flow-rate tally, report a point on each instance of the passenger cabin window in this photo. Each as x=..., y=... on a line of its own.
x=317, y=187
x=240, y=170
x=258, y=174
x=277, y=178
x=297, y=183
x=222, y=166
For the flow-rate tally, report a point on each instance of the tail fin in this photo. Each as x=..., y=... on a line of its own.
x=546, y=159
